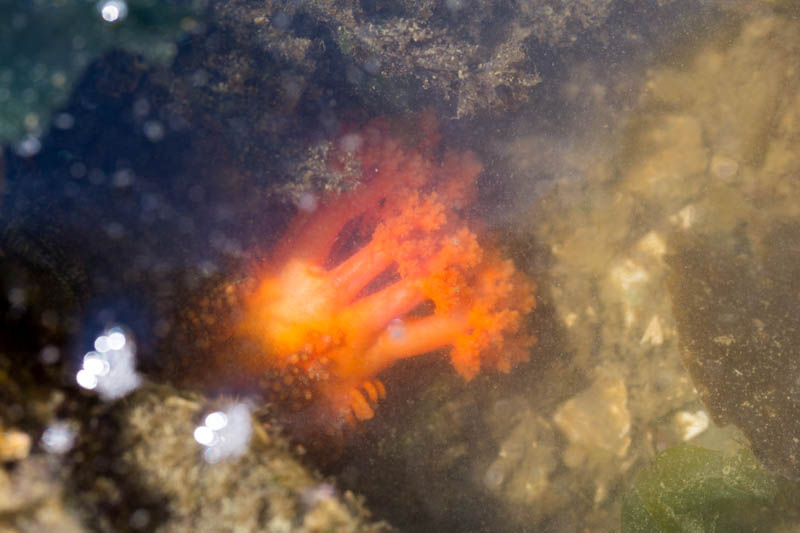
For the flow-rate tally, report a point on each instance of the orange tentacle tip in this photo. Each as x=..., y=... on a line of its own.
x=420, y=279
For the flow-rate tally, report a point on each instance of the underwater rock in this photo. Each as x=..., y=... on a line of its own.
x=33, y=497
x=520, y=474
x=471, y=57
x=14, y=445
x=596, y=422
x=160, y=476
x=737, y=320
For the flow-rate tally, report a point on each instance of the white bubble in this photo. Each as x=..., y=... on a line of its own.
x=111, y=370
x=31, y=121
x=351, y=142
x=216, y=420
x=372, y=65
x=307, y=202
x=101, y=344
x=153, y=130
x=58, y=438
x=116, y=340
x=292, y=88
x=495, y=475
x=112, y=10
x=17, y=296
x=28, y=146
x=225, y=434
x=322, y=492
x=354, y=75
x=199, y=78
x=397, y=329
x=122, y=178
x=58, y=79
x=139, y=519
x=205, y=435
x=86, y=379
x=95, y=364
x=212, y=455
x=64, y=121
x=50, y=354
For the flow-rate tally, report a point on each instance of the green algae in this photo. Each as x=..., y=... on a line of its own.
x=691, y=489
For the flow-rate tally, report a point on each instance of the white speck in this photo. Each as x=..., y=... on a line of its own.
x=58, y=438
x=112, y=10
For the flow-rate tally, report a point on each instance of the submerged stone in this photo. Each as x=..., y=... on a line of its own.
x=735, y=304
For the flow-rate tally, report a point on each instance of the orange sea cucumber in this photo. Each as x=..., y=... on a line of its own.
x=332, y=313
